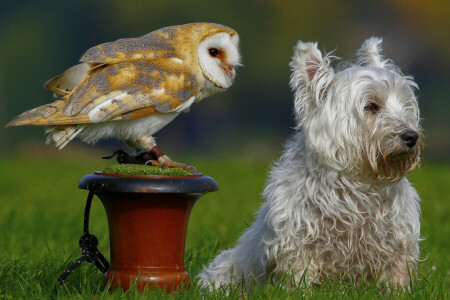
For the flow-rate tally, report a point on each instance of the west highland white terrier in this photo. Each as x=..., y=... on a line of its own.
x=337, y=202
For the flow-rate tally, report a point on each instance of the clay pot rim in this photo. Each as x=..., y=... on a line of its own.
x=194, y=175
x=99, y=182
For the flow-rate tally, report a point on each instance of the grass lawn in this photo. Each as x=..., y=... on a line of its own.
x=41, y=212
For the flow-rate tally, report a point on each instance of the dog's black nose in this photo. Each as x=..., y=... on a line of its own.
x=410, y=138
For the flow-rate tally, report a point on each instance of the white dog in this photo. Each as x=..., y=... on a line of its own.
x=337, y=203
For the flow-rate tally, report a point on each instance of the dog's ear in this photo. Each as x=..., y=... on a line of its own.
x=370, y=53
x=310, y=79
x=310, y=71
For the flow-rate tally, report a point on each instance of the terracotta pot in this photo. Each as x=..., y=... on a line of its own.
x=147, y=218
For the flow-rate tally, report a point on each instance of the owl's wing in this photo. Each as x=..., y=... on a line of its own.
x=64, y=83
x=120, y=91
x=150, y=46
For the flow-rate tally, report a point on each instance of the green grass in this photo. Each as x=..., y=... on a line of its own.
x=41, y=212
x=131, y=169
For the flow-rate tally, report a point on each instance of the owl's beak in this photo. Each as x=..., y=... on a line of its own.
x=229, y=70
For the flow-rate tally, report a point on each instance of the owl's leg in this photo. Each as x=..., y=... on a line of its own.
x=147, y=149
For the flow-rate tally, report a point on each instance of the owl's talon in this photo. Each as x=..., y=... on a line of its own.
x=179, y=165
x=153, y=162
x=170, y=164
x=166, y=162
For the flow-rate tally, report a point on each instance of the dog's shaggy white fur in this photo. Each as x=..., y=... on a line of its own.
x=337, y=203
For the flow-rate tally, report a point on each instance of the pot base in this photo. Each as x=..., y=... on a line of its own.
x=172, y=281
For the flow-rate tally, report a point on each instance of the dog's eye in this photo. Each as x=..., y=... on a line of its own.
x=213, y=52
x=372, y=107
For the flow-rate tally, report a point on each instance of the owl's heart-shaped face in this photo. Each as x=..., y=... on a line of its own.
x=218, y=57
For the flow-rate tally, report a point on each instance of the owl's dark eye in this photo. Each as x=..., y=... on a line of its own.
x=372, y=107
x=213, y=52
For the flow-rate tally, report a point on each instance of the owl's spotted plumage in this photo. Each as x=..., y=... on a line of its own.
x=133, y=87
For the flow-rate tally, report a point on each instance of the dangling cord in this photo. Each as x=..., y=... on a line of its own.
x=88, y=244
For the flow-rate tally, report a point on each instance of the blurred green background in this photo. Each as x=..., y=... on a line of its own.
x=40, y=39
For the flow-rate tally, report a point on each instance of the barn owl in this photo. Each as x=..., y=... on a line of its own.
x=133, y=87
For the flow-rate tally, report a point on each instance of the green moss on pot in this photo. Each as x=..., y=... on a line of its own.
x=131, y=169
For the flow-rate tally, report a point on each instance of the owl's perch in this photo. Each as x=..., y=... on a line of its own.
x=147, y=221
x=137, y=169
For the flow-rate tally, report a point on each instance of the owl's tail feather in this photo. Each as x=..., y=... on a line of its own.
x=41, y=115
x=62, y=135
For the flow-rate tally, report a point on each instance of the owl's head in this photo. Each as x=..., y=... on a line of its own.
x=218, y=56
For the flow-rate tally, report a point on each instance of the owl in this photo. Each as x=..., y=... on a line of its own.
x=133, y=87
